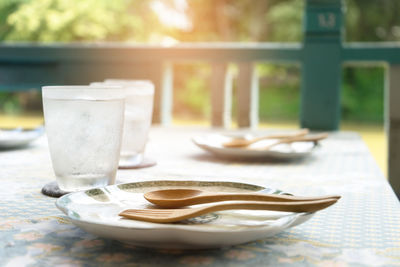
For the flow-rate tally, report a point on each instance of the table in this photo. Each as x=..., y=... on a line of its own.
x=363, y=228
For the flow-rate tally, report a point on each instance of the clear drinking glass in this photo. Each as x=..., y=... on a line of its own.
x=84, y=129
x=138, y=116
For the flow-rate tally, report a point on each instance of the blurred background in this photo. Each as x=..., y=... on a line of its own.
x=168, y=22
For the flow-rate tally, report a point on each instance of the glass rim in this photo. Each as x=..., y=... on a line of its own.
x=127, y=81
x=140, y=87
x=83, y=92
x=82, y=87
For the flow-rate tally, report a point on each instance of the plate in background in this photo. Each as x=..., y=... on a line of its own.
x=213, y=143
x=19, y=137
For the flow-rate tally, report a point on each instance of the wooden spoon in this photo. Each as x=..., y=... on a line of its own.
x=242, y=142
x=309, y=138
x=175, y=198
x=174, y=215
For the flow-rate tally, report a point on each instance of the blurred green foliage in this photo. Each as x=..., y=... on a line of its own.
x=362, y=94
x=208, y=21
x=9, y=103
x=76, y=20
x=193, y=94
x=280, y=92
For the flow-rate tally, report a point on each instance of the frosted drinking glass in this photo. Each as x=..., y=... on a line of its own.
x=84, y=131
x=138, y=116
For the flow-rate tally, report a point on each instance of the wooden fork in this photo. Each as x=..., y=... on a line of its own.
x=174, y=215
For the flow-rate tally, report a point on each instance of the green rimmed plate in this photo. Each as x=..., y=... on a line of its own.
x=96, y=211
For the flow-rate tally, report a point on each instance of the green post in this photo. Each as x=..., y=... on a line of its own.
x=321, y=69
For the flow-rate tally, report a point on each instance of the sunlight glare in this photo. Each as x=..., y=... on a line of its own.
x=173, y=17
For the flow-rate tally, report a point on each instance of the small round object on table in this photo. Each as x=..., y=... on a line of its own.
x=52, y=190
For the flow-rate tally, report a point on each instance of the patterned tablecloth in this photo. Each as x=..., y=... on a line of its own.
x=362, y=229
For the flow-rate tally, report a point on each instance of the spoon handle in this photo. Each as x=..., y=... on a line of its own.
x=261, y=197
x=296, y=206
x=310, y=138
x=209, y=198
x=296, y=134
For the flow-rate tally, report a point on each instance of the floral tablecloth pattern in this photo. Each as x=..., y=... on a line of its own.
x=362, y=229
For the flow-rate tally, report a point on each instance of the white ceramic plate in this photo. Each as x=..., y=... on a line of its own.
x=19, y=137
x=213, y=143
x=96, y=211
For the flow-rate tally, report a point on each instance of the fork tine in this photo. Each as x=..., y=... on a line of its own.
x=145, y=215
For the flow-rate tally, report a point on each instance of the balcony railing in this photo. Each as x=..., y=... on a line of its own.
x=321, y=57
x=26, y=66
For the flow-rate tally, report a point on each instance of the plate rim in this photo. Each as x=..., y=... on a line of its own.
x=180, y=227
